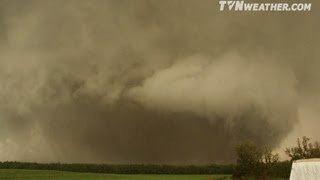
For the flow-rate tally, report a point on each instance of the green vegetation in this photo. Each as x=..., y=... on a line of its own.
x=253, y=162
x=14, y=174
x=123, y=169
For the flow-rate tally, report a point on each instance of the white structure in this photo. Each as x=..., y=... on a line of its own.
x=306, y=169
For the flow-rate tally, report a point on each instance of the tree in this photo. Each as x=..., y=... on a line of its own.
x=254, y=162
x=249, y=159
x=304, y=149
x=269, y=157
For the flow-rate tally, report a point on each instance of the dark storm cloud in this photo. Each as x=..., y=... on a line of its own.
x=150, y=81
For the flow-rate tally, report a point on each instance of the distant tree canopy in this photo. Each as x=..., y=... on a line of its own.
x=124, y=169
x=304, y=149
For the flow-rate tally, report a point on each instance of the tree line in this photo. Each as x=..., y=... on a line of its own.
x=253, y=162
x=123, y=169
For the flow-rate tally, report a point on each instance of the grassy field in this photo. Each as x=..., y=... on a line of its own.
x=59, y=175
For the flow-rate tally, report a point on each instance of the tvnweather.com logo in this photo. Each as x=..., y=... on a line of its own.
x=238, y=5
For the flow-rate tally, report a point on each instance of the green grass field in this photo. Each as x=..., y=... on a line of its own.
x=6, y=174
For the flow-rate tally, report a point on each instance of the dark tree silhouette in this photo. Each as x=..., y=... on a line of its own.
x=304, y=149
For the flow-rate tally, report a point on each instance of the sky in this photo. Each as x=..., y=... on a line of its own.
x=153, y=81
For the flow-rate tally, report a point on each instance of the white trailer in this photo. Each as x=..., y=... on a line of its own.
x=306, y=169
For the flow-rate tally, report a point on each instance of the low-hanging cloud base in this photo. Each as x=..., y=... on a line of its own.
x=168, y=82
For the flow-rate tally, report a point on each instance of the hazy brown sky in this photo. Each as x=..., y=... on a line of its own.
x=153, y=81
